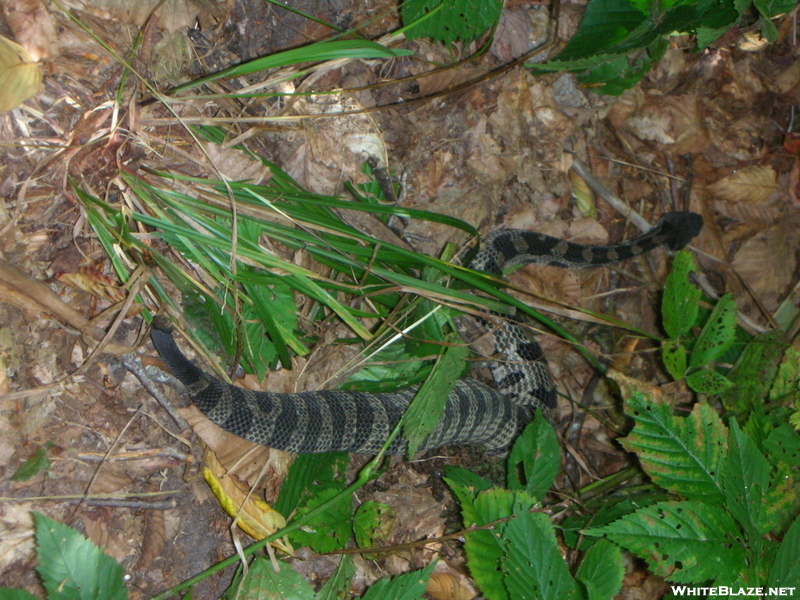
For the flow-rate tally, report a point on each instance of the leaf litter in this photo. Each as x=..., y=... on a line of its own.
x=492, y=154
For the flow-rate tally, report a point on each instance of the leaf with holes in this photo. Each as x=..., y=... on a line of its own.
x=717, y=334
x=706, y=381
x=682, y=455
x=674, y=356
x=681, y=300
x=463, y=20
x=675, y=539
x=535, y=458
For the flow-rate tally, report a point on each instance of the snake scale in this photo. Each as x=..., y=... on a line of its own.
x=329, y=420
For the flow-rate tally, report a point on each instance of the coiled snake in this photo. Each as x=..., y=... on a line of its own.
x=361, y=422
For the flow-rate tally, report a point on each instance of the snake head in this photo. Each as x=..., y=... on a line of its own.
x=680, y=227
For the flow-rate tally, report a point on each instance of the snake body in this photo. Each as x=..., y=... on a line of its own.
x=329, y=420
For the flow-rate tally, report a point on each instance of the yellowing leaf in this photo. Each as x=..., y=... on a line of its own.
x=20, y=76
x=751, y=185
x=256, y=518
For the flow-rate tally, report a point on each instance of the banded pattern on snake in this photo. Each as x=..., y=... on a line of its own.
x=329, y=420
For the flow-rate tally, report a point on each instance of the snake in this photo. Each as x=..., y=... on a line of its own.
x=475, y=413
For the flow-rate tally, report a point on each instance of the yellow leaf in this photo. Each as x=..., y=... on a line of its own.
x=256, y=518
x=20, y=76
x=583, y=195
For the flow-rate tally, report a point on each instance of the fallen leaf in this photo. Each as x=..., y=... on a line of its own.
x=20, y=76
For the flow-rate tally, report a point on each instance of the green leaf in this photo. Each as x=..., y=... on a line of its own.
x=786, y=384
x=535, y=458
x=311, y=472
x=717, y=334
x=601, y=571
x=425, y=410
x=36, y=462
x=338, y=584
x=457, y=20
x=372, y=523
x=676, y=538
x=467, y=480
x=317, y=52
x=785, y=571
x=754, y=372
x=682, y=455
x=746, y=480
x=409, y=586
x=329, y=530
x=15, y=594
x=681, y=301
x=783, y=444
x=482, y=546
x=614, y=508
x=263, y=581
x=708, y=382
x=72, y=567
x=532, y=563
x=674, y=356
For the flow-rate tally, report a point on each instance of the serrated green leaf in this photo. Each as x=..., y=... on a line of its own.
x=681, y=301
x=717, y=334
x=36, y=463
x=708, y=382
x=682, y=455
x=15, y=594
x=338, y=584
x=532, y=563
x=408, y=586
x=425, y=410
x=675, y=539
x=783, y=444
x=466, y=479
x=372, y=523
x=615, y=508
x=482, y=546
x=535, y=458
x=601, y=571
x=746, y=479
x=785, y=571
x=463, y=20
x=674, y=356
x=262, y=581
x=328, y=531
x=73, y=568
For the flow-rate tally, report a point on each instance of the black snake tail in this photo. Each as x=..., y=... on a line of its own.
x=324, y=421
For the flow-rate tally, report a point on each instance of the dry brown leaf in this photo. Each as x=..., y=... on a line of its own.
x=20, y=76
x=446, y=586
x=32, y=27
x=766, y=262
x=337, y=146
x=751, y=185
x=172, y=15
x=236, y=165
x=96, y=283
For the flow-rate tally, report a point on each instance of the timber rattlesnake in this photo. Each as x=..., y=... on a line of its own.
x=330, y=420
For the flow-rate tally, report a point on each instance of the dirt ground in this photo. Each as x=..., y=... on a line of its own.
x=708, y=132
